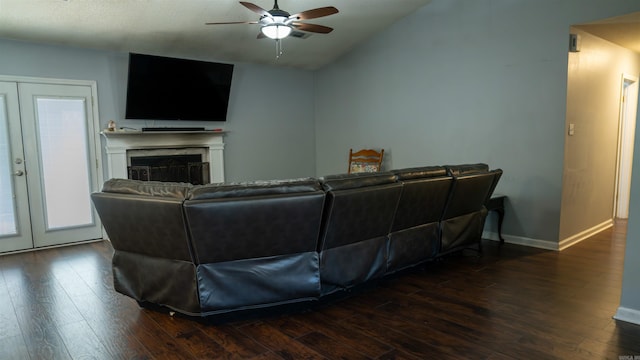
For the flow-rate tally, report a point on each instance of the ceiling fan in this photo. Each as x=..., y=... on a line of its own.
x=277, y=24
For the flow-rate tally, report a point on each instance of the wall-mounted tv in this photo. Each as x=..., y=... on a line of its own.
x=163, y=88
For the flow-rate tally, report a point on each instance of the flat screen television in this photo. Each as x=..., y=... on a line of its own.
x=163, y=88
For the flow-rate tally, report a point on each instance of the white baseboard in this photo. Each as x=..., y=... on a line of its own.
x=548, y=244
x=524, y=241
x=572, y=240
x=628, y=315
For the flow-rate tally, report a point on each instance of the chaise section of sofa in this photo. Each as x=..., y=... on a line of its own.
x=152, y=259
x=255, y=243
x=357, y=219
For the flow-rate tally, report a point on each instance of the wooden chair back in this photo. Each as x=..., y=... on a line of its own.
x=366, y=160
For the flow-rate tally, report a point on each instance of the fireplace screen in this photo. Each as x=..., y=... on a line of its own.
x=176, y=168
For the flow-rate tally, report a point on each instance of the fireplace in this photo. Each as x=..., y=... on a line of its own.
x=195, y=157
x=170, y=168
x=172, y=164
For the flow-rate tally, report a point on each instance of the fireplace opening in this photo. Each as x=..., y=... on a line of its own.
x=176, y=168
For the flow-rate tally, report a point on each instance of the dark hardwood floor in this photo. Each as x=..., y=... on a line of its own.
x=511, y=303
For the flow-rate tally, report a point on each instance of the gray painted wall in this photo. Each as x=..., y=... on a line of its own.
x=270, y=118
x=464, y=81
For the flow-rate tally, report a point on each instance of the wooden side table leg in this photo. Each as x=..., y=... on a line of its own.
x=496, y=203
x=500, y=212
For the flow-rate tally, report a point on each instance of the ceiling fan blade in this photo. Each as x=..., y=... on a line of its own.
x=255, y=8
x=312, y=28
x=231, y=22
x=261, y=36
x=314, y=13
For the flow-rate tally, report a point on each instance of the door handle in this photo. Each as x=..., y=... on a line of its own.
x=18, y=173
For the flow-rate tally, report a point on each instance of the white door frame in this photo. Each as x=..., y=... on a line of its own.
x=626, y=135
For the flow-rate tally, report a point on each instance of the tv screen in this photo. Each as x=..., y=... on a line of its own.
x=163, y=88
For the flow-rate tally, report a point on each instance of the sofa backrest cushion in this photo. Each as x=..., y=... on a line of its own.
x=359, y=207
x=423, y=200
x=227, y=222
x=143, y=224
x=147, y=188
x=357, y=180
x=466, y=169
x=423, y=172
x=469, y=193
x=253, y=188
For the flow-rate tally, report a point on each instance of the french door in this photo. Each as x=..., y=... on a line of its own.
x=48, y=165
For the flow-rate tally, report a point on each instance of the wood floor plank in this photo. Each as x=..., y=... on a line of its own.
x=279, y=343
x=44, y=342
x=114, y=324
x=108, y=315
x=330, y=348
x=334, y=328
x=404, y=320
x=157, y=342
x=9, y=327
x=190, y=337
x=420, y=344
x=233, y=341
x=82, y=342
x=14, y=347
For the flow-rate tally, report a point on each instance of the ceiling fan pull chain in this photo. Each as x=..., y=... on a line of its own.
x=278, y=48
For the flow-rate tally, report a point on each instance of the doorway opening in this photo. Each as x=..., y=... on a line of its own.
x=626, y=135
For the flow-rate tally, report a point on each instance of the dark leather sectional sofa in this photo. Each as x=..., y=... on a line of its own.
x=221, y=248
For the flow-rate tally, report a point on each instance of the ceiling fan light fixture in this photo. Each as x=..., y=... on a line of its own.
x=276, y=31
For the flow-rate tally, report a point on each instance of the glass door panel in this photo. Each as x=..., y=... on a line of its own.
x=57, y=123
x=7, y=205
x=15, y=226
x=65, y=162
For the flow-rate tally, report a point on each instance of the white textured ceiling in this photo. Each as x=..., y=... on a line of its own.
x=177, y=27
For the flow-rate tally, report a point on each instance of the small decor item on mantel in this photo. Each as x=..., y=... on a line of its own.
x=111, y=126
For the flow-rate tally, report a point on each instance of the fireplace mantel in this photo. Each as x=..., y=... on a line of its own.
x=118, y=142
